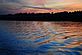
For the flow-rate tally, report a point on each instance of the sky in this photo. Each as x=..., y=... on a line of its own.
x=38, y=6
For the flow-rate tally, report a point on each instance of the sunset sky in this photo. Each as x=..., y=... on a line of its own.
x=39, y=6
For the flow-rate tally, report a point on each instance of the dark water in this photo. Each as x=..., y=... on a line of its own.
x=40, y=38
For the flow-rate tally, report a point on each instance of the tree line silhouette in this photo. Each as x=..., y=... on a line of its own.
x=61, y=16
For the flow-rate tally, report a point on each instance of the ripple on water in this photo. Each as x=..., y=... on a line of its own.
x=41, y=38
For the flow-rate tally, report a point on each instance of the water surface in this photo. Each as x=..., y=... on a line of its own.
x=40, y=38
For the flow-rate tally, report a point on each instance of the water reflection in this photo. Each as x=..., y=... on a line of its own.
x=40, y=38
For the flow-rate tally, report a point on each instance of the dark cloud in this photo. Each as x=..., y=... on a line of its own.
x=9, y=6
x=5, y=12
x=6, y=1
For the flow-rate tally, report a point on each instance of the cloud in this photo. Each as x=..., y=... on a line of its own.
x=7, y=1
x=9, y=7
x=12, y=6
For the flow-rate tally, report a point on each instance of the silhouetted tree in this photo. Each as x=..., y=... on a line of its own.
x=61, y=16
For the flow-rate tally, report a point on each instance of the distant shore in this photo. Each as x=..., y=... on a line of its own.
x=75, y=16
